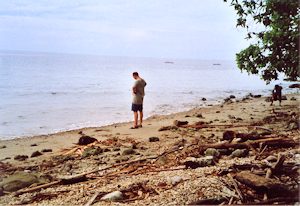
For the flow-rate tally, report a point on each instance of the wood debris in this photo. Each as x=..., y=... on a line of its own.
x=249, y=178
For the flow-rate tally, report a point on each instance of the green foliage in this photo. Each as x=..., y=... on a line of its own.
x=273, y=26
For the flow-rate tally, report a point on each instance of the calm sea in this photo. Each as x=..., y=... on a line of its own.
x=42, y=93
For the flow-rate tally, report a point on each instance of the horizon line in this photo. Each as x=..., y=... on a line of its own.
x=108, y=55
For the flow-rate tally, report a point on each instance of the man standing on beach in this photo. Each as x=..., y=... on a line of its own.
x=138, y=94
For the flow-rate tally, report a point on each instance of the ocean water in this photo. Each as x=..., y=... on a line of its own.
x=42, y=93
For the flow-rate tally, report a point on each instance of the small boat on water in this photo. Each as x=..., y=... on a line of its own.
x=167, y=62
x=216, y=64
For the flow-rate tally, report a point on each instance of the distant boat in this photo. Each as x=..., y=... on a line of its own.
x=217, y=64
x=169, y=62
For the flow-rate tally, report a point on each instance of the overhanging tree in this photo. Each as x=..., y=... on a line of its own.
x=273, y=26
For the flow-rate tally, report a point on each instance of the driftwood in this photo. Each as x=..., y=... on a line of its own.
x=33, y=189
x=268, y=175
x=237, y=167
x=65, y=181
x=278, y=163
x=271, y=142
x=230, y=201
x=263, y=128
x=73, y=180
x=90, y=202
x=262, y=184
x=125, y=163
x=274, y=169
x=202, y=126
x=261, y=152
x=79, y=176
x=245, y=136
x=250, y=145
x=82, y=177
x=236, y=187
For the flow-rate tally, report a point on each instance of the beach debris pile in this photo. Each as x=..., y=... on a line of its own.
x=249, y=163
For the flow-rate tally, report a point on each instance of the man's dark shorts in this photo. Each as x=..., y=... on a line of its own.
x=137, y=107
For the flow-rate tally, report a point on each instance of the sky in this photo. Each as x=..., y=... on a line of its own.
x=193, y=29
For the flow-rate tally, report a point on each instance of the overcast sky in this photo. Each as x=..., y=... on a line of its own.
x=201, y=29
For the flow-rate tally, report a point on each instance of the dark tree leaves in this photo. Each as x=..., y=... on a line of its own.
x=273, y=25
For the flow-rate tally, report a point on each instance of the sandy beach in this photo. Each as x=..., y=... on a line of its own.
x=151, y=183
x=216, y=87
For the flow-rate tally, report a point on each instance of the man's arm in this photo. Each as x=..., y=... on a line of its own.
x=134, y=90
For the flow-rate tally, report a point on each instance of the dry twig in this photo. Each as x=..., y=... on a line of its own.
x=236, y=187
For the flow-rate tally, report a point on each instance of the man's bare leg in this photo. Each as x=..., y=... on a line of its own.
x=135, y=119
x=141, y=118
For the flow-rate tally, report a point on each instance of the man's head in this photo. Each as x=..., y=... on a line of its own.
x=135, y=75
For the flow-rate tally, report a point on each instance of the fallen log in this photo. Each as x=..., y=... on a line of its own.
x=65, y=181
x=262, y=184
x=73, y=180
x=275, y=142
x=33, y=189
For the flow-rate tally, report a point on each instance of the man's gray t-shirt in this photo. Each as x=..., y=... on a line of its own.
x=140, y=91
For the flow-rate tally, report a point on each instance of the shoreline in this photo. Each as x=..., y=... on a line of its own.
x=57, y=131
x=16, y=129
x=211, y=103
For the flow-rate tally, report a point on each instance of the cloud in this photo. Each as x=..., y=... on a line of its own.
x=156, y=28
